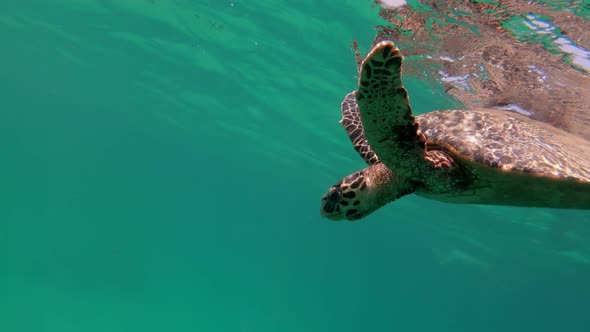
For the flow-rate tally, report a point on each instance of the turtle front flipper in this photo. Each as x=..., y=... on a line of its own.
x=351, y=121
x=386, y=115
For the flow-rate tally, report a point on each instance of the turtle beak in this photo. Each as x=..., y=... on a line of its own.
x=331, y=204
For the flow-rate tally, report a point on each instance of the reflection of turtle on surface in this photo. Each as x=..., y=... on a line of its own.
x=527, y=56
x=479, y=156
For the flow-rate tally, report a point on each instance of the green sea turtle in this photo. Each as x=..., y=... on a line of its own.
x=478, y=156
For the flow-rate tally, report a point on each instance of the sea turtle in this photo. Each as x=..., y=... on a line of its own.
x=479, y=156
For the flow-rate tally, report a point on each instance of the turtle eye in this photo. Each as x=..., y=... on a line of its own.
x=335, y=194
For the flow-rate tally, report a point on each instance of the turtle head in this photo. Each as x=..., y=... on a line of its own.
x=347, y=199
x=363, y=192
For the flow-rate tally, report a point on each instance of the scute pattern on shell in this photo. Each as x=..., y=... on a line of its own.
x=508, y=141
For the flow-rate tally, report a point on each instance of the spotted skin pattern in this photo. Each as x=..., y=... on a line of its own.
x=351, y=121
x=342, y=198
x=363, y=192
x=385, y=110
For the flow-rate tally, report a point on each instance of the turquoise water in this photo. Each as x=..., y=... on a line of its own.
x=162, y=164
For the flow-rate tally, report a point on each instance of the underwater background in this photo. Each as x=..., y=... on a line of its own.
x=161, y=168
